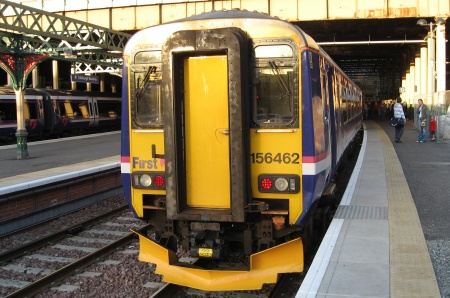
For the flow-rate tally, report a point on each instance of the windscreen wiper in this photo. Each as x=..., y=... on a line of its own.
x=276, y=72
x=142, y=86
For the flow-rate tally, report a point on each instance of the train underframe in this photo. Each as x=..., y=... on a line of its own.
x=232, y=256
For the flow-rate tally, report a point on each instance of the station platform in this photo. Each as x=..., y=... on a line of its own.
x=375, y=245
x=54, y=160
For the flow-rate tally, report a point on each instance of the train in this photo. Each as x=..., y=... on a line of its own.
x=53, y=113
x=234, y=126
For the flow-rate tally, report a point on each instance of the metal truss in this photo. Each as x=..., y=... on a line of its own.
x=91, y=68
x=34, y=31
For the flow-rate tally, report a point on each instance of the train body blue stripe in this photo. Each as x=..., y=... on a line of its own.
x=125, y=135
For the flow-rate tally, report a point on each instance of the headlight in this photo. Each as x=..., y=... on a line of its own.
x=281, y=184
x=145, y=180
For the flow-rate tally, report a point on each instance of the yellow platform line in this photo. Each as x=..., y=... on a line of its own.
x=411, y=270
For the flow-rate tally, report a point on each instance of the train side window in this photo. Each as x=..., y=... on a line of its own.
x=30, y=110
x=108, y=109
x=33, y=110
x=273, y=86
x=8, y=111
x=344, y=107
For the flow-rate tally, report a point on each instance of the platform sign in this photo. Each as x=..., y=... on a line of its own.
x=81, y=78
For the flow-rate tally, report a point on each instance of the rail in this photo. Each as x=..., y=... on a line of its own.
x=64, y=233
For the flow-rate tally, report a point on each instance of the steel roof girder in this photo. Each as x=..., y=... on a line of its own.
x=87, y=68
x=59, y=27
x=23, y=44
x=17, y=43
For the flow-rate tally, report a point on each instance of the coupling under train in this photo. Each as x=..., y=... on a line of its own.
x=234, y=124
x=49, y=112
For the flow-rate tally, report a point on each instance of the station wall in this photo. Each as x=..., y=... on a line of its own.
x=123, y=15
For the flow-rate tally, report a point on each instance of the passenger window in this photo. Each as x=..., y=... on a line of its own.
x=8, y=111
x=33, y=110
x=108, y=109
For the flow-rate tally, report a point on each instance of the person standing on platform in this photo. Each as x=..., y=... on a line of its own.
x=432, y=128
x=422, y=110
x=411, y=112
x=398, y=113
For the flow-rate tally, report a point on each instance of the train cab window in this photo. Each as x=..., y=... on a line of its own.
x=148, y=105
x=146, y=91
x=273, y=86
x=274, y=51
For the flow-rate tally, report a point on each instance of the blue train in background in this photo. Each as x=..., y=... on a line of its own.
x=50, y=113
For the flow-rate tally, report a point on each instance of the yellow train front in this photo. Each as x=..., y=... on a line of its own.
x=233, y=128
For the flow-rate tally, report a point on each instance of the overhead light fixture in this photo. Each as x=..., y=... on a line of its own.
x=422, y=22
x=440, y=21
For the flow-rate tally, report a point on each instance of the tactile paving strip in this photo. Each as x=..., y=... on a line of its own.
x=362, y=212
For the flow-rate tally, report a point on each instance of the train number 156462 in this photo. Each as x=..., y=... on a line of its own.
x=287, y=158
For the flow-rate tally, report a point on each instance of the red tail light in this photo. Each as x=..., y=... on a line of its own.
x=158, y=180
x=266, y=183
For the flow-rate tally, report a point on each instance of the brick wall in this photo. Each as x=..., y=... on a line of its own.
x=20, y=204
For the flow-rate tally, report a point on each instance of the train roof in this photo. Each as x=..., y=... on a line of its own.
x=8, y=90
x=228, y=14
x=219, y=19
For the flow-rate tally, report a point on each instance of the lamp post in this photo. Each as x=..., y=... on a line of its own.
x=440, y=60
x=436, y=56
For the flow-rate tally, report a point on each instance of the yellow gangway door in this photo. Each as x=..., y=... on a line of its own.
x=207, y=138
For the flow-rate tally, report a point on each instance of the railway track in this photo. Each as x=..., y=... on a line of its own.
x=44, y=262
x=286, y=287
